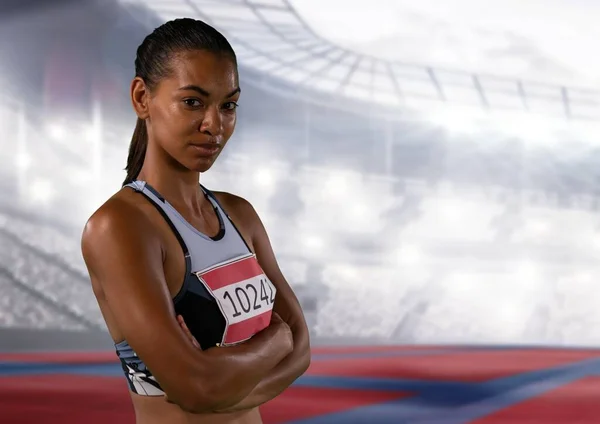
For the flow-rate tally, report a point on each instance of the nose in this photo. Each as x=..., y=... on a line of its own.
x=212, y=123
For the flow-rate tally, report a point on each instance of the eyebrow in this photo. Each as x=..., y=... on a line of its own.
x=205, y=93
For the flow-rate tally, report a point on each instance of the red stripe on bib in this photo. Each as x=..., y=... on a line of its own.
x=244, y=294
x=232, y=273
x=245, y=329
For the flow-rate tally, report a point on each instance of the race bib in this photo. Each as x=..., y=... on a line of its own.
x=244, y=294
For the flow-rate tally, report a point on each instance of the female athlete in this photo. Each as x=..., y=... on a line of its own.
x=204, y=323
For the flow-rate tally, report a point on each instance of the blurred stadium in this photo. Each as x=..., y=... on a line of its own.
x=407, y=203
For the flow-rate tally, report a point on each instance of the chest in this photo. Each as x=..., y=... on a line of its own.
x=221, y=291
x=174, y=261
x=227, y=303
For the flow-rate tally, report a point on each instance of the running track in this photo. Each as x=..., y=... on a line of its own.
x=350, y=385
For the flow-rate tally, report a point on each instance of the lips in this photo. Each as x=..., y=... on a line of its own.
x=206, y=149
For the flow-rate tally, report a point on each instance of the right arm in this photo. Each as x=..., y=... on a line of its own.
x=124, y=257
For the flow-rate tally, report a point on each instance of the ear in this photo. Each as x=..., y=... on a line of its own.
x=139, y=97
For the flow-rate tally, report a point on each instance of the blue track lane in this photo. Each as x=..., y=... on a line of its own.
x=430, y=402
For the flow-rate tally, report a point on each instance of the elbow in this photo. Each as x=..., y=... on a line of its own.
x=301, y=361
x=304, y=354
x=211, y=397
x=197, y=400
x=305, y=361
x=199, y=404
x=194, y=403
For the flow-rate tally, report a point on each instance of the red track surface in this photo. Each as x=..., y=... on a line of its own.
x=462, y=367
x=55, y=399
x=575, y=403
x=309, y=402
x=388, y=385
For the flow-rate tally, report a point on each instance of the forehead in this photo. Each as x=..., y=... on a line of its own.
x=214, y=72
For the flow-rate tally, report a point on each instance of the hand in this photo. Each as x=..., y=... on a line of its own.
x=276, y=319
x=283, y=331
x=187, y=331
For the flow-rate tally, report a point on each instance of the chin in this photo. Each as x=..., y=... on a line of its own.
x=202, y=166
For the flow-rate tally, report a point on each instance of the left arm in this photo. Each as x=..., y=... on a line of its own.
x=288, y=308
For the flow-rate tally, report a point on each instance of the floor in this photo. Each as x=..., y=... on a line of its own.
x=385, y=384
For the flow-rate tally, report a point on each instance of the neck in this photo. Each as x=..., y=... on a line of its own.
x=178, y=186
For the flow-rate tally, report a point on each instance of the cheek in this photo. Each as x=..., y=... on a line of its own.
x=229, y=124
x=174, y=122
x=162, y=117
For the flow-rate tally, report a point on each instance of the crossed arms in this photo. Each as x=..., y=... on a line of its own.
x=124, y=255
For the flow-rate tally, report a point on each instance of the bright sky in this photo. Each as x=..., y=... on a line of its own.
x=544, y=40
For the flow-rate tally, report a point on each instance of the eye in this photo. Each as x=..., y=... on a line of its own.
x=230, y=106
x=192, y=102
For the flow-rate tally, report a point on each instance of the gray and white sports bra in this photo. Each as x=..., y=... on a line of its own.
x=225, y=297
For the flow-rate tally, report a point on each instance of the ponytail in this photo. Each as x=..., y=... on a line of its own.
x=137, y=151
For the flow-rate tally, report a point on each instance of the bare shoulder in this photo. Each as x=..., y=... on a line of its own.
x=118, y=210
x=232, y=200
x=242, y=214
x=236, y=205
x=120, y=217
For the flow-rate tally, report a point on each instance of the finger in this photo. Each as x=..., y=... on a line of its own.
x=184, y=326
x=181, y=322
x=187, y=331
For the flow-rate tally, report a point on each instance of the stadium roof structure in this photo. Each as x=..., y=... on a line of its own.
x=272, y=38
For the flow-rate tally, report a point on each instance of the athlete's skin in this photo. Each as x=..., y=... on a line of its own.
x=136, y=264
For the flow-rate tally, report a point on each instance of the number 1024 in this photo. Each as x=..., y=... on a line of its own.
x=248, y=298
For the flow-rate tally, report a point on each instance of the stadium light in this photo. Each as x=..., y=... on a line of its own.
x=23, y=161
x=538, y=228
x=457, y=119
x=342, y=183
x=532, y=128
x=336, y=184
x=588, y=132
x=527, y=277
x=585, y=277
x=452, y=210
x=347, y=271
x=41, y=191
x=81, y=177
x=511, y=317
x=91, y=133
x=313, y=242
x=359, y=212
x=409, y=254
x=56, y=131
x=264, y=177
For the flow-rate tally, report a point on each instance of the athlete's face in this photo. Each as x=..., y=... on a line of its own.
x=192, y=113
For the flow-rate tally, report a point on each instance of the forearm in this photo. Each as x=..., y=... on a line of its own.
x=272, y=385
x=279, y=378
x=239, y=369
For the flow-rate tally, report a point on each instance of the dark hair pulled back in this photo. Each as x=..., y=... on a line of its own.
x=152, y=65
